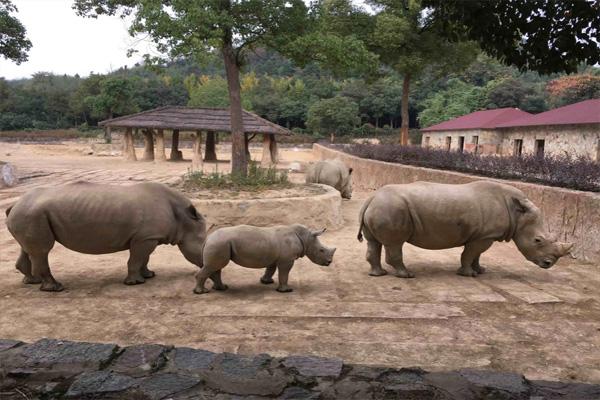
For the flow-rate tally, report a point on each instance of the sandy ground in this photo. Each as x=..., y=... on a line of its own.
x=518, y=317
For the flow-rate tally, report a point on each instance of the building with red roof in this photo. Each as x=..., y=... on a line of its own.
x=572, y=130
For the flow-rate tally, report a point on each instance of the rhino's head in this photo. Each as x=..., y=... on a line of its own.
x=533, y=241
x=192, y=233
x=315, y=250
x=346, y=191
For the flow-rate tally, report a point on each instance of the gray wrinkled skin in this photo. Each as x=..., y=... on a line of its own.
x=98, y=219
x=441, y=216
x=331, y=173
x=273, y=248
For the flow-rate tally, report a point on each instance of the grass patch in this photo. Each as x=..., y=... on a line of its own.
x=257, y=179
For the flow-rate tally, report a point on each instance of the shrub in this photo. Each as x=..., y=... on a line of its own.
x=257, y=179
x=579, y=173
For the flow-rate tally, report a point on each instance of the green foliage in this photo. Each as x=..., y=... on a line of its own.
x=115, y=97
x=257, y=179
x=546, y=36
x=338, y=115
x=14, y=45
x=572, y=89
x=459, y=98
x=211, y=91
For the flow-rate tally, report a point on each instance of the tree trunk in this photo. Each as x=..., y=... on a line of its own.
x=376, y=122
x=404, y=127
x=148, y=145
x=331, y=137
x=239, y=161
x=210, y=153
x=160, y=146
x=197, y=152
x=175, y=152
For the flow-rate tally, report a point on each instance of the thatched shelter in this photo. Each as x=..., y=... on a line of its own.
x=152, y=123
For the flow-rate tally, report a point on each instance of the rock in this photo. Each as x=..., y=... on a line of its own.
x=497, y=385
x=557, y=390
x=314, y=366
x=159, y=386
x=8, y=175
x=192, y=360
x=406, y=383
x=92, y=384
x=451, y=383
x=140, y=360
x=235, y=374
x=87, y=152
x=295, y=167
x=349, y=389
x=298, y=393
x=6, y=344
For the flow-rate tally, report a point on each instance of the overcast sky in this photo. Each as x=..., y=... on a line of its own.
x=64, y=43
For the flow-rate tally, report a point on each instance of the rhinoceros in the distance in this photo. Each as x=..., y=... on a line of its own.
x=275, y=247
x=331, y=173
x=441, y=216
x=98, y=219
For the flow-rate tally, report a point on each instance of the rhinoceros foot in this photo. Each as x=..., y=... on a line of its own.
x=134, y=280
x=221, y=287
x=404, y=274
x=377, y=272
x=266, y=281
x=201, y=290
x=284, y=289
x=467, y=272
x=31, y=280
x=147, y=274
x=52, y=287
x=479, y=269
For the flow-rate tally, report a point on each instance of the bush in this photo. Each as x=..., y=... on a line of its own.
x=579, y=173
x=257, y=179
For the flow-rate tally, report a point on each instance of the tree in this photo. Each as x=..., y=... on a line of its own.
x=572, y=89
x=197, y=27
x=338, y=115
x=406, y=41
x=546, y=36
x=14, y=45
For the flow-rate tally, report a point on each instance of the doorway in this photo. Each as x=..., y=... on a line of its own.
x=461, y=143
x=518, y=147
x=539, y=147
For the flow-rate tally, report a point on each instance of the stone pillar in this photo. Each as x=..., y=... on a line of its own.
x=148, y=145
x=210, y=153
x=160, y=146
x=128, y=146
x=175, y=152
x=265, y=160
x=273, y=149
x=197, y=163
x=247, y=147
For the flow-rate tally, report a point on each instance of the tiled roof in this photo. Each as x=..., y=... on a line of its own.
x=584, y=112
x=487, y=119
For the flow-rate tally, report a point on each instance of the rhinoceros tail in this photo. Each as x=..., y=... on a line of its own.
x=8, y=210
x=361, y=218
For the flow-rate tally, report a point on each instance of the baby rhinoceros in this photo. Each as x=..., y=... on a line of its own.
x=98, y=219
x=275, y=248
x=332, y=173
x=441, y=216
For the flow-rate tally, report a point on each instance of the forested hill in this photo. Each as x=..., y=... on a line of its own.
x=308, y=99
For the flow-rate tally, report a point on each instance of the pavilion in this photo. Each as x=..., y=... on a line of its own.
x=152, y=123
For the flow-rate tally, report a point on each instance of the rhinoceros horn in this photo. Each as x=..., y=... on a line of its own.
x=564, y=248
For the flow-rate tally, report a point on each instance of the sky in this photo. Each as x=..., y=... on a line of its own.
x=64, y=43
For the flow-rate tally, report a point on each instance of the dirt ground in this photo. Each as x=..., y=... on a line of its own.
x=518, y=317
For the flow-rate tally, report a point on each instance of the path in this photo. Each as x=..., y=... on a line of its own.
x=542, y=323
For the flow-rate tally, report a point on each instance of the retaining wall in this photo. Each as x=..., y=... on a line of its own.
x=572, y=215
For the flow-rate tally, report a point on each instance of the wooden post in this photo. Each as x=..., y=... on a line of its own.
x=148, y=145
x=247, y=147
x=210, y=153
x=160, y=146
x=175, y=152
x=274, y=150
x=265, y=160
x=197, y=163
x=128, y=146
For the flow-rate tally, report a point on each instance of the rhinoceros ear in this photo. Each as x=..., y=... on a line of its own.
x=349, y=171
x=521, y=206
x=318, y=233
x=193, y=213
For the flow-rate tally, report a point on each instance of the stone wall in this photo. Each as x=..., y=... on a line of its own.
x=576, y=140
x=55, y=369
x=488, y=141
x=572, y=215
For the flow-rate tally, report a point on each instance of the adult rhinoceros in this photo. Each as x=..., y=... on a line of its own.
x=98, y=219
x=441, y=216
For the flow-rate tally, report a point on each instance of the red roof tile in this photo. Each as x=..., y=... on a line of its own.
x=584, y=112
x=487, y=119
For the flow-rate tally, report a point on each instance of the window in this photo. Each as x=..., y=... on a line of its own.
x=475, y=141
x=461, y=143
x=539, y=147
x=448, y=142
x=518, y=147
x=426, y=141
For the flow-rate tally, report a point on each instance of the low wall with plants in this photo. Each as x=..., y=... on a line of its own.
x=574, y=216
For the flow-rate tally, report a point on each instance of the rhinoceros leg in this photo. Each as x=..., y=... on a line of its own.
x=267, y=278
x=470, y=257
x=393, y=256
x=284, y=271
x=477, y=267
x=217, y=282
x=374, y=258
x=147, y=273
x=24, y=266
x=41, y=269
x=139, y=254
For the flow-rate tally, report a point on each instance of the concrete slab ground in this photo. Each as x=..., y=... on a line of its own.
x=544, y=324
